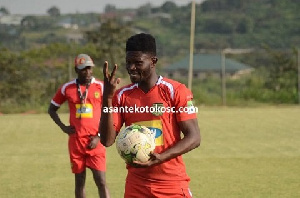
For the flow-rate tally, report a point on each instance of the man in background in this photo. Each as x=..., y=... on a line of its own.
x=84, y=97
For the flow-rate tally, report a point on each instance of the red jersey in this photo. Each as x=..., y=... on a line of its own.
x=85, y=117
x=166, y=104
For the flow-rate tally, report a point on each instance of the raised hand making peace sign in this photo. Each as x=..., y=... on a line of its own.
x=110, y=81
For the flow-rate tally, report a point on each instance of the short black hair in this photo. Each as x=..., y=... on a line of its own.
x=141, y=42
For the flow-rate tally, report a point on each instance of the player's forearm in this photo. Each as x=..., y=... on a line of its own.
x=185, y=145
x=55, y=118
x=106, y=128
x=190, y=141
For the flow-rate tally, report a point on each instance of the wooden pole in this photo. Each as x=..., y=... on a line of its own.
x=190, y=75
x=298, y=62
x=223, y=77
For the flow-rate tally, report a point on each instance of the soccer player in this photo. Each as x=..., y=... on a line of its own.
x=84, y=96
x=172, y=112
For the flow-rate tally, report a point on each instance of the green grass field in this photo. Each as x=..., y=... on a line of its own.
x=245, y=152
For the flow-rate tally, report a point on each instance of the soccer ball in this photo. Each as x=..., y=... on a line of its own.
x=135, y=143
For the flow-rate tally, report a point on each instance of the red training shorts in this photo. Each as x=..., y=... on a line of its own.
x=82, y=157
x=138, y=191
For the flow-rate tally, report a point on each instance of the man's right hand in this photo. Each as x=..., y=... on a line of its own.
x=110, y=81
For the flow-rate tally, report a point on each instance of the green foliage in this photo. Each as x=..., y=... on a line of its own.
x=4, y=11
x=29, y=79
x=283, y=72
x=168, y=7
x=275, y=83
x=110, y=41
x=144, y=10
x=53, y=11
x=110, y=8
x=14, y=72
x=219, y=26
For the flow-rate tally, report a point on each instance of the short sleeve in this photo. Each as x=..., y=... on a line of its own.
x=183, y=100
x=58, y=98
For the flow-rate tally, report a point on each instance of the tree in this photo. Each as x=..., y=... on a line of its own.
x=283, y=65
x=144, y=10
x=110, y=41
x=168, y=6
x=110, y=8
x=29, y=22
x=4, y=11
x=13, y=78
x=53, y=11
x=282, y=78
x=246, y=25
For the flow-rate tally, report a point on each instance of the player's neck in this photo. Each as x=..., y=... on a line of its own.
x=83, y=81
x=147, y=85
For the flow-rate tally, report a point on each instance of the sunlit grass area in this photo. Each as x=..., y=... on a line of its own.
x=245, y=152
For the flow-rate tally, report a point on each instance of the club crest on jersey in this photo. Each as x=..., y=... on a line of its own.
x=97, y=94
x=190, y=103
x=156, y=109
x=191, y=108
